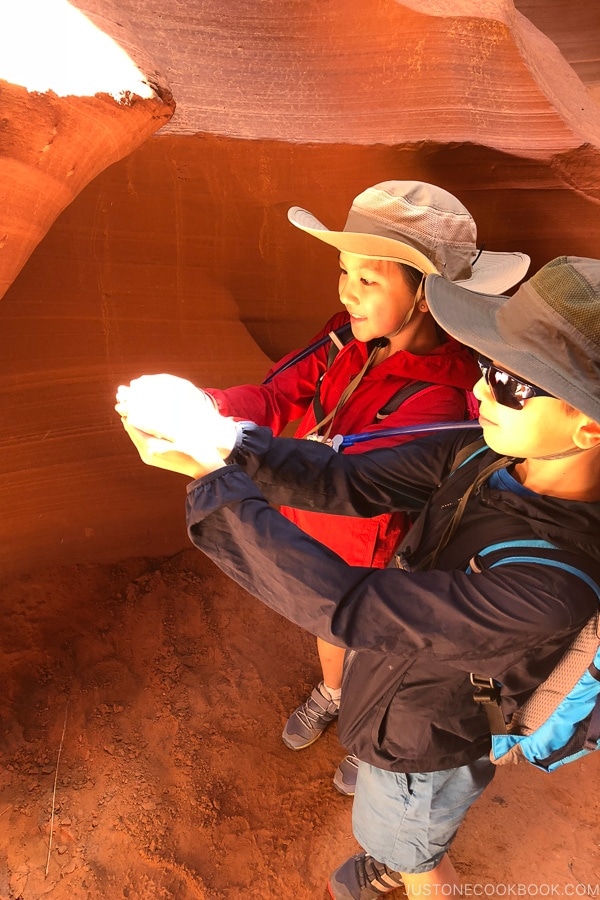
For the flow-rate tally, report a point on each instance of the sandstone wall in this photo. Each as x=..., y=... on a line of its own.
x=179, y=256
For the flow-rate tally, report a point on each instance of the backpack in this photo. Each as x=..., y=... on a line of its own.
x=560, y=721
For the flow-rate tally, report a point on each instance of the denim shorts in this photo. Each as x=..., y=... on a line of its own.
x=408, y=821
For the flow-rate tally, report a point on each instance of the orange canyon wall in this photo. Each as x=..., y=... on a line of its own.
x=143, y=227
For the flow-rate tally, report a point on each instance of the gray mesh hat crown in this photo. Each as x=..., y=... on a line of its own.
x=548, y=332
x=422, y=226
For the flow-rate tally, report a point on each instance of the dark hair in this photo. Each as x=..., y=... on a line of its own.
x=569, y=410
x=412, y=276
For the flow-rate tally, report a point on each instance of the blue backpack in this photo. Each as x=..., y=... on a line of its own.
x=560, y=722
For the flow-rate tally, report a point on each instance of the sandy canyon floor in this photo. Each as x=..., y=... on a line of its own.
x=143, y=703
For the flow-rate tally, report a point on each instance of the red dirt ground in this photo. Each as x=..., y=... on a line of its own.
x=172, y=685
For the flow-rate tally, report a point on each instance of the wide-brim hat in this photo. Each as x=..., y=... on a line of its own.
x=548, y=332
x=422, y=226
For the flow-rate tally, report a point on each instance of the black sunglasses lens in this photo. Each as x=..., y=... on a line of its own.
x=505, y=389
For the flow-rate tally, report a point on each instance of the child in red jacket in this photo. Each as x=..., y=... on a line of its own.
x=396, y=233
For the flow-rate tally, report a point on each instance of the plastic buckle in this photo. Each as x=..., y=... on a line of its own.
x=486, y=689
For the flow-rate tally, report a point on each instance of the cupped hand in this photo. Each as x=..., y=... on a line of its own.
x=164, y=405
x=164, y=454
x=174, y=409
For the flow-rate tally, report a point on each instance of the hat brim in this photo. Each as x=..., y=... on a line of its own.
x=519, y=334
x=468, y=316
x=492, y=272
x=373, y=245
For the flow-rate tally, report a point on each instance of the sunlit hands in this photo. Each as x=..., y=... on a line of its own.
x=174, y=425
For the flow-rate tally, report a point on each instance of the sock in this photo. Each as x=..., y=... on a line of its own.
x=333, y=693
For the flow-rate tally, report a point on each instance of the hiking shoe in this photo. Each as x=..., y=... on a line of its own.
x=362, y=878
x=344, y=779
x=310, y=720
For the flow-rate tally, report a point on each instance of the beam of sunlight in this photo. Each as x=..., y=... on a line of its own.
x=49, y=45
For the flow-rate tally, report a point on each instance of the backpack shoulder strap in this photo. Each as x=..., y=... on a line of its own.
x=414, y=535
x=415, y=387
x=342, y=334
x=519, y=556
x=338, y=339
x=397, y=399
x=468, y=453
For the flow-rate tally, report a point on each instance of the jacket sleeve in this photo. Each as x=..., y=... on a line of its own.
x=310, y=475
x=288, y=394
x=463, y=619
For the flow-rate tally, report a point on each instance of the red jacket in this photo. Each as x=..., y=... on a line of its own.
x=289, y=395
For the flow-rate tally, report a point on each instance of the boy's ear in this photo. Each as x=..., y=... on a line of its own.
x=587, y=434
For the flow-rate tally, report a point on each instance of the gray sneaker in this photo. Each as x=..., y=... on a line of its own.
x=363, y=878
x=309, y=721
x=344, y=779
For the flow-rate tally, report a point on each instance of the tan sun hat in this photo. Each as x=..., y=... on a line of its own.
x=422, y=226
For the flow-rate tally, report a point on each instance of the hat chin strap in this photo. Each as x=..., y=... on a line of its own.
x=409, y=314
x=565, y=454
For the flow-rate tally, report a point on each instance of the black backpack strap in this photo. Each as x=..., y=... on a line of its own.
x=397, y=399
x=338, y=340
x=318, y=410
x=467, y=452
x=344, y=333
x=414, y=535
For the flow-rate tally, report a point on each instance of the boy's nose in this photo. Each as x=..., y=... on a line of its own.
x=481, y=390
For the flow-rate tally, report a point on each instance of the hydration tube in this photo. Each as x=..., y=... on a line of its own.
x=302, y=354
x=340, y=442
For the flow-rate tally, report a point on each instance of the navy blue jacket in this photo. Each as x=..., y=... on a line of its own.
x=413, y=637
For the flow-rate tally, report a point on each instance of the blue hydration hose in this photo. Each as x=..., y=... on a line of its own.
x=340, y=442
x=341, y=332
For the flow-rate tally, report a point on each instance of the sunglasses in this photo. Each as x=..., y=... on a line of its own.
x=507, y=389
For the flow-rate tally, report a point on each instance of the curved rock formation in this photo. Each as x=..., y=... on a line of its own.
x=573, y=26
x=392, y=73
x=73, y=102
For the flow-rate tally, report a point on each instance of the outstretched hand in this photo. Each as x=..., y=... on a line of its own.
x=174, y=425
x=163, y=454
